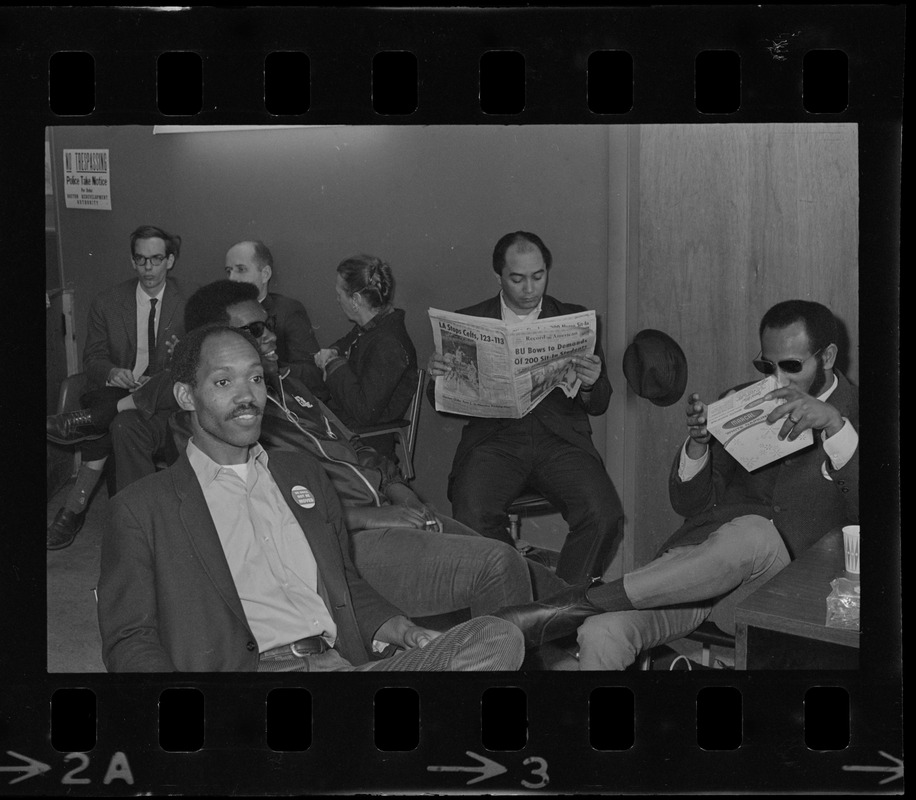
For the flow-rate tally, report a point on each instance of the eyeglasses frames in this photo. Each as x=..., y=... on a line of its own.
x=257, y=327
x=141, y=261
x=791, y=365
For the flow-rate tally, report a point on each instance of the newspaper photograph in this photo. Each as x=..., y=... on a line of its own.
x=500, y=371
x=739, y=422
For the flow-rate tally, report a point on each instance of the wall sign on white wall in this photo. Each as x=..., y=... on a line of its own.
x=87, y=179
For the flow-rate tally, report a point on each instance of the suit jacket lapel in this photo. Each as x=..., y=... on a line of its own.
x=129, y=319
x=319, y=544
x=166, y=318
x=549, y=307
x=199, y=528
x=326, y=557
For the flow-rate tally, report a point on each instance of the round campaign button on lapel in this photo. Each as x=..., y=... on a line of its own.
x=303, y=497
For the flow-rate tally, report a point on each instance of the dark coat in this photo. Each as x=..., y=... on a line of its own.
x=111, y=330
x=167, y=600
x=376, y=377
x=792, y=492
x=296, y=340
x=566, y=417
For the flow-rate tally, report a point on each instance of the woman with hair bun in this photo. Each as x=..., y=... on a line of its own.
x=371, y=373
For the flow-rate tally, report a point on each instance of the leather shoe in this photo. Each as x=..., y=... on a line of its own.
x=553, y=617
x=73, y=427
x=63, y=530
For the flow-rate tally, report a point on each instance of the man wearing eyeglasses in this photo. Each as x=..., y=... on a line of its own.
x=741, y=527
x=130, y=331
x=252, y=262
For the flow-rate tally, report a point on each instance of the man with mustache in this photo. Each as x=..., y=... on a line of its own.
x=235, y=560
x=741, y=527
x=418, y=559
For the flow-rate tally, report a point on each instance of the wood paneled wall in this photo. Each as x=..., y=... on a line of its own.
x=730, y=220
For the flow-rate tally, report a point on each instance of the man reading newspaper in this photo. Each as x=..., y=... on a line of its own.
x=549, y=449
x=742, y=526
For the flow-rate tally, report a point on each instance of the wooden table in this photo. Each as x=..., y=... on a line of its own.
x=782, y=624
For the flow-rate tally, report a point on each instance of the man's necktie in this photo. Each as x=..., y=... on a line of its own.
x=151, y=334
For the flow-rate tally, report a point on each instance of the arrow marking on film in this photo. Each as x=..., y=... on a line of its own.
x=29, y=770
x=896, y=771
x=488, y=768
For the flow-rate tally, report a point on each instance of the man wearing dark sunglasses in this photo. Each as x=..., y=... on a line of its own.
x=252, y=262
x=129, y=334
x=741, y=527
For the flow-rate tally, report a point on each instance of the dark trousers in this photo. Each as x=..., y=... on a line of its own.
x=137, y=442
x=524, y=456
x=96, y=449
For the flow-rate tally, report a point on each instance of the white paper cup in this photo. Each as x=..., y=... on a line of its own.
x=851, y=548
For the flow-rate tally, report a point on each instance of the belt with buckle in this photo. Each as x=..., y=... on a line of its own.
x=300, y=648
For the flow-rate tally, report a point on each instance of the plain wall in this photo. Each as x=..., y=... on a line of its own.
x=432, y=201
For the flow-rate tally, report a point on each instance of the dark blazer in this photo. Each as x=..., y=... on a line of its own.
x=793, y=492
x=167, y=600
x=564, y=416
x=111, y=331
x=296, y=340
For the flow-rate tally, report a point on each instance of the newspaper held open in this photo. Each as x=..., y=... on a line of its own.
x=497, y=370
x=739, y=422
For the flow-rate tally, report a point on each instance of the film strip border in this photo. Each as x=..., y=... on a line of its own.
x=445, y=733
x=575, y=68
x=459, y=65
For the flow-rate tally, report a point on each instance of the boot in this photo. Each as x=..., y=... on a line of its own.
x=72, y=427
x=553, y=617
x=63, y=530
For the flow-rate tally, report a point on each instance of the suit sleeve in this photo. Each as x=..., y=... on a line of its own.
x=127, y=609
x=596, y=401
x=365, y=395
x=97, y=356
x=156, y=395
x=707, y=487
x=846, y=479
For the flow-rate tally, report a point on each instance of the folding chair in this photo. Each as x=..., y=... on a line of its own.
x=404, y=430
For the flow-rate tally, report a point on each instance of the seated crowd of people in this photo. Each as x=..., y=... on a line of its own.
x=277, y=539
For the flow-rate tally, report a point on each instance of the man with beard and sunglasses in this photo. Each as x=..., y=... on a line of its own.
x=236, y=560
x=417, y=559
x=741, y=527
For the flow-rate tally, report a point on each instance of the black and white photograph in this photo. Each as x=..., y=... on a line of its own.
x=246, y=471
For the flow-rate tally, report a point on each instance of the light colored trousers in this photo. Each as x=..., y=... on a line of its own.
x=677, y=591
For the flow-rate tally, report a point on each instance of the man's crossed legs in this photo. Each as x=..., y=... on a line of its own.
x=662, y=601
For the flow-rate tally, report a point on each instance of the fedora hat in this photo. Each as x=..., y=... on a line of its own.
x=655, y=367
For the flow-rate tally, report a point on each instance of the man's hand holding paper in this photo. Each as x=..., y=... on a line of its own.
x=746, y=423
x=802, y=412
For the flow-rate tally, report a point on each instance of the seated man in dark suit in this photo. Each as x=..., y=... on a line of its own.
x=130, y=331
x=741, y=527
x=550, y=449
x=231, y=560
x=252, y=262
